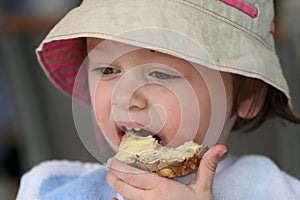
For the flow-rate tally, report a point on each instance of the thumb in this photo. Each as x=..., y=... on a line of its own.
x=206, y=171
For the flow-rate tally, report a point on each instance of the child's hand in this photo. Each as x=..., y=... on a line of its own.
x=136, y=184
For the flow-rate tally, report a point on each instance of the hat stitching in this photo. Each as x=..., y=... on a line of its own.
x=170, y=50
x=211, y=13
x=98, y=34
x=227, y=20
x=63, y=73
x=250, y=72
x=71, y=74
x=81, y=92
x=132, y=40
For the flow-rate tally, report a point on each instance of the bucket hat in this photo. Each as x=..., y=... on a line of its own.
x=237, y=34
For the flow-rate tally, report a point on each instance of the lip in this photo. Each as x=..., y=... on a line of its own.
x=130, y=124
x=134, y=125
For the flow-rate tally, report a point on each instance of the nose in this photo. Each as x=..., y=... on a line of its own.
x=131, y=90
x=126, y=103
x=131, y=100
x=138, y=100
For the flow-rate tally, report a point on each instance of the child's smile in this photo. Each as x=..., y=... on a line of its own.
x=148, y=92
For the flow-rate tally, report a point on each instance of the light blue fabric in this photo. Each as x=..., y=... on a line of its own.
x=53, y=182
x=247, y=178
x=256, y=178
x=66, y=180
x=89, y=187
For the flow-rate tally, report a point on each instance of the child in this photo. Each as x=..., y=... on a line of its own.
x=180, y=70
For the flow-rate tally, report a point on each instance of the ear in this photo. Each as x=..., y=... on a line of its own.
x=250, y=107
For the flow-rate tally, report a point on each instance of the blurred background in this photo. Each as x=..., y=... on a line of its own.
x=36, y=121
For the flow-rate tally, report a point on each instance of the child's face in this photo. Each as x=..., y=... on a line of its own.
x=148, y=90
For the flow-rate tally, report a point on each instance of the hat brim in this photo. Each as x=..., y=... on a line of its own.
x=232, y=46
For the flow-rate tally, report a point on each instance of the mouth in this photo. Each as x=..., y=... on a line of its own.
x=137, y=131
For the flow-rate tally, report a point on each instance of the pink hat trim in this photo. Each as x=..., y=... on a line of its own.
x=247, y=8
x=62, y=60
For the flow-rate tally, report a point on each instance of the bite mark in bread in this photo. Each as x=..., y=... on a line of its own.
x=147, y=154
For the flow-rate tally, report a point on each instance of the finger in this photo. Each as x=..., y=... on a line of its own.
x=206, y=171
x=126, y=190
x=133, y=176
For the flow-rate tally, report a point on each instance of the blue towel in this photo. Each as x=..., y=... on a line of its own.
x=63, y=180
x=248, y=178
x=255, y=178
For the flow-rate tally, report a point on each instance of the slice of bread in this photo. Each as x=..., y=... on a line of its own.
x=147, y=154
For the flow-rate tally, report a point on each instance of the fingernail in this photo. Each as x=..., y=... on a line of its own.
x=108, y=163
x=207, y=152
x=221, y=153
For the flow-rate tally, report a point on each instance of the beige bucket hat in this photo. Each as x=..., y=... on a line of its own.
x=237, y=34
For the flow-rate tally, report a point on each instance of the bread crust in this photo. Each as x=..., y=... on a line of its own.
x=154, y=161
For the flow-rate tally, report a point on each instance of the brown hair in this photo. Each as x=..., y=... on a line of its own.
x=275, y=104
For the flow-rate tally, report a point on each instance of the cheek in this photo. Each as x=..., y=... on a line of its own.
x=204, y=108
x=205, y=116
x=172, y=110
x=167, y=106
x=187, y=115
x=101, y=101
x=102, y=111
x=206, y=104
x=227, y=78
x=100, y=92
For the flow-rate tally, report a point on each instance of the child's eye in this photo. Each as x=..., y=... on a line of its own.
x=108, y=70
x=162, y=75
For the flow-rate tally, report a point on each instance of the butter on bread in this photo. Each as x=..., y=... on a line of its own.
x=147, y=154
